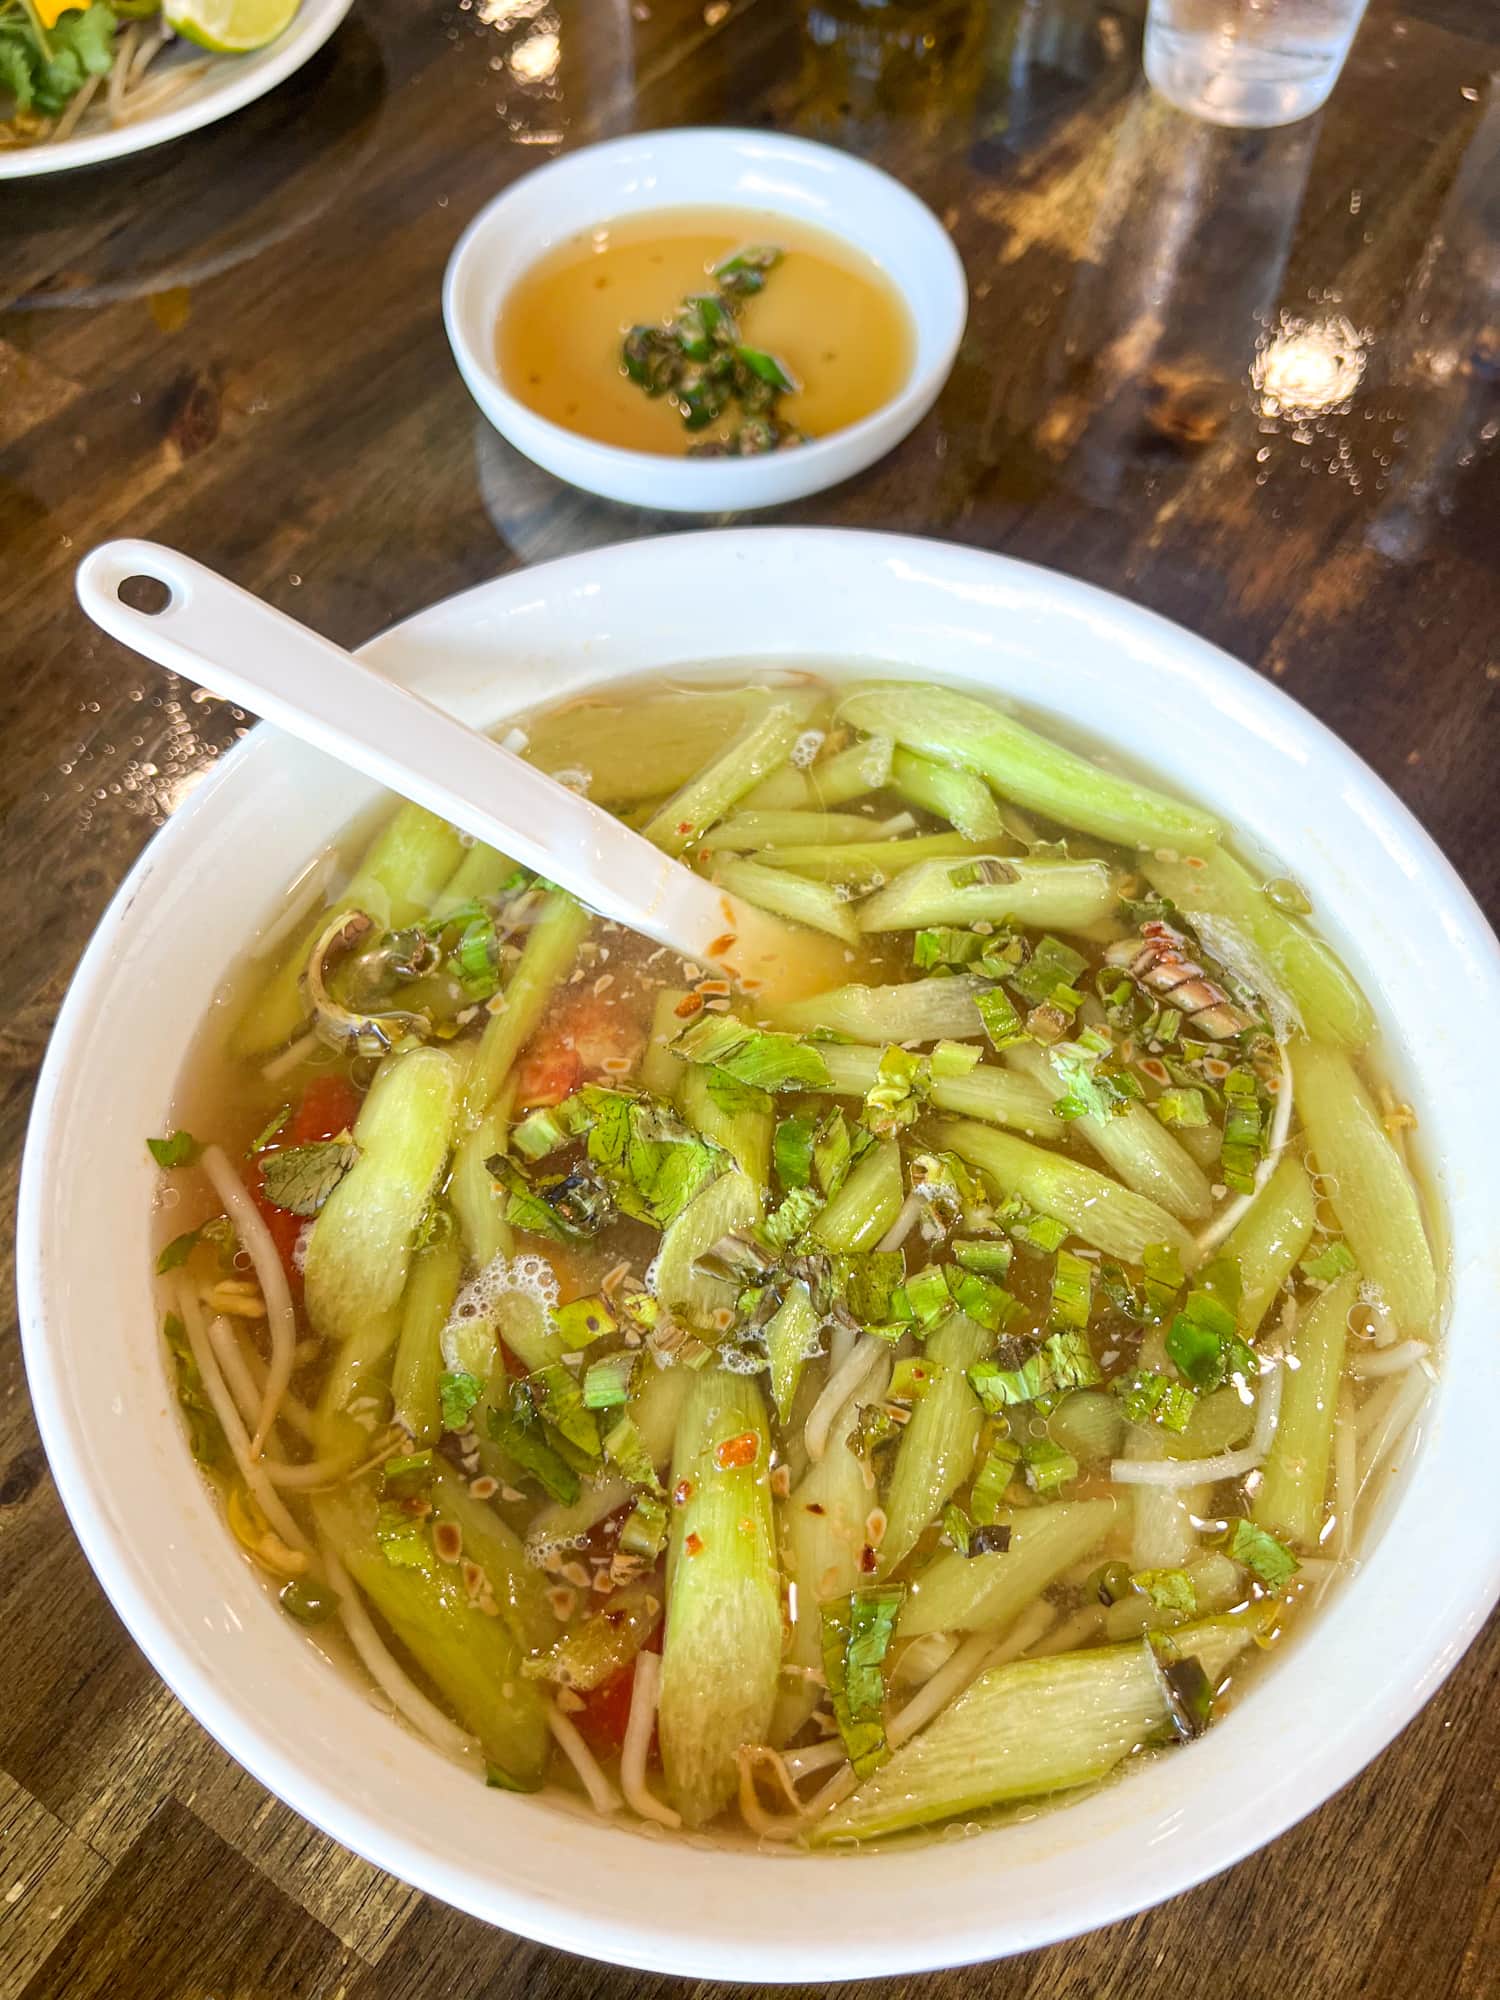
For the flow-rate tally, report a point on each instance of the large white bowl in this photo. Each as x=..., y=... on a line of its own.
x=1379, y=1648
x=836, y=192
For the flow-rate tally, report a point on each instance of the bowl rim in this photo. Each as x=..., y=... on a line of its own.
x=699, y=1946
x=896, y=416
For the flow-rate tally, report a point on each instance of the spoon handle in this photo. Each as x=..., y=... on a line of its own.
x=212, y=632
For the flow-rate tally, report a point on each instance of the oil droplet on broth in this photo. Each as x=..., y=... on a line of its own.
x=827, y=313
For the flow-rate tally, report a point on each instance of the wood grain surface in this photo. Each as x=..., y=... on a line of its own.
x=234, y=345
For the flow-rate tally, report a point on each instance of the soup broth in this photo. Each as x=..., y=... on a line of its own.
x=913, y=1404
x=826, y=312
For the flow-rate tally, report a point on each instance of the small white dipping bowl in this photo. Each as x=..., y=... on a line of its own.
x=706, y=169
x=706, y=604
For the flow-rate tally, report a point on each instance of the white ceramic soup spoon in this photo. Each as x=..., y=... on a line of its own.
x=214, y=633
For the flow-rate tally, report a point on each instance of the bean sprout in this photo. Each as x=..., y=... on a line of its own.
x=602, y=1795
x=907, y=1218
x=1388, y=1360
x=839, y=1387
x=1400, y=1412
x=1172, y=1472
x=1345, y=1473
x=643, y=1697
x=270, y=1275
x=217, y=1389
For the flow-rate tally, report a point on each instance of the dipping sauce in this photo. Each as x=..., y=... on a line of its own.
x=826, y=312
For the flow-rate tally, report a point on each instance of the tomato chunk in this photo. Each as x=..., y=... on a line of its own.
x=606, y=1710
x=328, y=1106
x=584, y=1034
x=548, y=1072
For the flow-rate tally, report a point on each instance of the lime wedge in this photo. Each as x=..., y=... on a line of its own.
x=230, y=27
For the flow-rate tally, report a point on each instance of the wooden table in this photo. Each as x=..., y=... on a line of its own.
x=234, y=345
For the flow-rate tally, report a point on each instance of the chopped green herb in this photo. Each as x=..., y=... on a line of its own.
x=1000, y=1388
x=1168, y=1589
x=654, y=1164
x=625, y=1448
x=268, y=1131
x=857, y=1633
x=607, y=1382
x=178, y=1250
x=181, y=1149
x=475, y=959
x=895, y=1099
x=989, y=1305
x=644, y=1530
x=838, y=1147
x=1094, y=1086
x=1151, y=1397
x=745, y=273
x=458, y=1392
x=874, y=1426
x=792, y=1150
x=942, y=946
x=768, y=368
x=542, y=1132
x=1196, y=1350
x=1071, y=1359
x=559, y=1402
x=584, y=1321
x=1241, y=1146
x=992, y=1481
x=732, y=1096
x=1072, y=1293
x=301, y=1178
x=1164, y=1278
x=1048, y=1466
x=769, y=1060
x=791, y=1218
x=1001, y=1022
x=1204, y=1342
x=549, y=1207
x=1120, y=1292
x=925, y=1296
x=869, y=1281
x=1184, y=1108
x=990, y=1257
x=1051, y=965
x=518, y=1430
x=957, y=1527
x=1035, y=1231
x=1332, y=1261
x=1269, y=1561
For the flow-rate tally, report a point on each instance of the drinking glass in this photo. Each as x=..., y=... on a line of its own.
x=1249, y=62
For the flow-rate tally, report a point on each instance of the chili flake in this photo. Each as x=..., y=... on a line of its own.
x=741, y=1450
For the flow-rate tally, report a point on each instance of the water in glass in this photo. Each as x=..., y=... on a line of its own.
x=1249, y=62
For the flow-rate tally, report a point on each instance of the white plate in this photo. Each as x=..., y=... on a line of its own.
x=229, y=83
x=882, y=604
